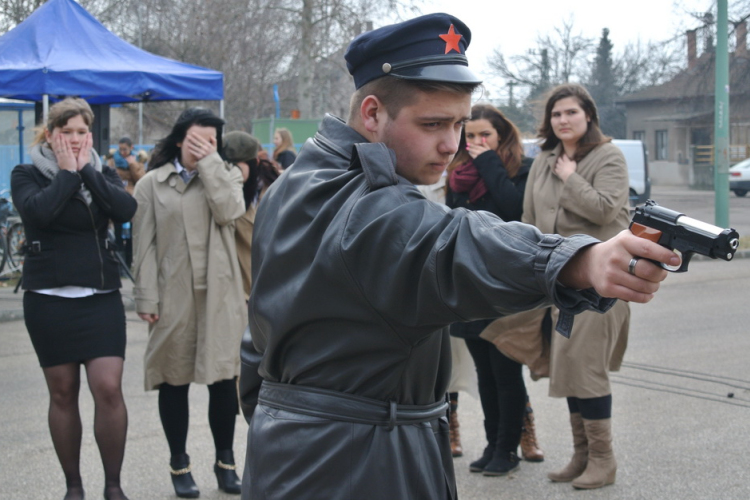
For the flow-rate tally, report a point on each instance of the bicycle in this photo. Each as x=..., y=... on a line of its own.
x=6, y=208
x=12, y=236
x=15, y=241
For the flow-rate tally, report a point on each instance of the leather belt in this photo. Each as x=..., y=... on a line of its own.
x=334, y=405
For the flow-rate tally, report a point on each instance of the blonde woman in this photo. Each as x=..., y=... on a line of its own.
x=72, y=305
x=284, y=153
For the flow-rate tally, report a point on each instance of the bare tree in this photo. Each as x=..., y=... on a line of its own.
x=12, y=12
x=295, y=44
x=558, y=57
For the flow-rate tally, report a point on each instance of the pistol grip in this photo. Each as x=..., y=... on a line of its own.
x=645, y=232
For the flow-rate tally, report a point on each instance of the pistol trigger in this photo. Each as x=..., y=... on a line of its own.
x=681, y=267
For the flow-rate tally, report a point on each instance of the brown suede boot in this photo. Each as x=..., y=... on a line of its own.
x=530, y=450
x=578, y=462
x=602, y=467
x=455, y=436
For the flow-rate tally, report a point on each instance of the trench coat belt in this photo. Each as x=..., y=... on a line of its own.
x=334, y=405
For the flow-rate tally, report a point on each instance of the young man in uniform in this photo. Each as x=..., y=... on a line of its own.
x=356, y=277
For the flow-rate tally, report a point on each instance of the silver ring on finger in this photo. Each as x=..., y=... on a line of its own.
x=631, y=266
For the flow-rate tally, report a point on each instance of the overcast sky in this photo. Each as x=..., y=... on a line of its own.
x=513, y=26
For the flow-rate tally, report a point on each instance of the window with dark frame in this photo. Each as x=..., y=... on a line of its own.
x=661, y=145
x=639, y=135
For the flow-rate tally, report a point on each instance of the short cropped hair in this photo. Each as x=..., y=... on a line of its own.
x=397, y=93
x=126, y=140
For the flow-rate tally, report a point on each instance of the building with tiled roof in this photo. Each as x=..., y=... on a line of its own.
x=676, y=119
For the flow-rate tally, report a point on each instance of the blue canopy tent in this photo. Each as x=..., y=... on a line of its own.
x=62, y=50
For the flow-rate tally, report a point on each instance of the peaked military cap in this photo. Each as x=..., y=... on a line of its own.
x=431, y=47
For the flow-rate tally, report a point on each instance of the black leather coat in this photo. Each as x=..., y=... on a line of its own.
x=355, y=279
x=504, y=198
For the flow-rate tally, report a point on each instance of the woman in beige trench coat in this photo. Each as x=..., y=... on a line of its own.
x=579, y=185
x=189, y=287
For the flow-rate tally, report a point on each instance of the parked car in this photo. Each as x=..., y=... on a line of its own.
x=636, y=157
x=739, y=178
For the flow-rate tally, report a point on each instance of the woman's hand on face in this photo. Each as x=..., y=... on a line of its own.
x=84, y=154
x=64, y=153
x=564, y=167
x=198, y=146
x=477, y=149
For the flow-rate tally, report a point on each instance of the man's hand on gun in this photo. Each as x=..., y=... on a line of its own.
x=631, y=265
x=604, y=267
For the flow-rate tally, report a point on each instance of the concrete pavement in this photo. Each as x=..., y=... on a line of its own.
x=677, y=432
x=681, y=407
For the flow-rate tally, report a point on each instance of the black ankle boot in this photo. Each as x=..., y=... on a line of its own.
x=479, y=464
x=502, y=463
x=182, y=479
x=226, y=474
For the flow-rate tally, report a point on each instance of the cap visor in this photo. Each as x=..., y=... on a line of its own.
x=449, y=73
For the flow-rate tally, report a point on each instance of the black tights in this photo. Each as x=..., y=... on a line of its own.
x=222, y=413
x=502, y=392
x=592, y=408
x=104, y=377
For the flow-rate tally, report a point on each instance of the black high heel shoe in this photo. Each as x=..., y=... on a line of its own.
x=75, y=493
x=117, y=495
x=226, y=474
x=182, y=479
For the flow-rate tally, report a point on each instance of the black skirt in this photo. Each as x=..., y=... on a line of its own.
x=65, y=330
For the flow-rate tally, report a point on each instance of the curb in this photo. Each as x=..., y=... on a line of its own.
x=128, y=302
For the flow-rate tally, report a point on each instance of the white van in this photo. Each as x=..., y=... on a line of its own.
x=636, y=158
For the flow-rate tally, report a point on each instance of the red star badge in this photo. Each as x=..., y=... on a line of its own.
x=451, y=40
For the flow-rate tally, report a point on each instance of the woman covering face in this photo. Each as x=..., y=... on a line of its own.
x=489, y=173
x=72, y=304
x=189, y=288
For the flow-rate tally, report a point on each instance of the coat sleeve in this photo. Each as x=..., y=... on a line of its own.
x=434, y=268
x=223, y=185
x=107, y=192
x=40, y=206
x=507, y=196
x=145, y=264
x=600, y=199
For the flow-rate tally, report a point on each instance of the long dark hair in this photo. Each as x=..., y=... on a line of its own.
x=167, y=150
x=593, y=136
x=510, y=147
x=262, y=174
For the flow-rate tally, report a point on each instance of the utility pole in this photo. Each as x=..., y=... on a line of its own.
x=721, y=119
x=510, y=98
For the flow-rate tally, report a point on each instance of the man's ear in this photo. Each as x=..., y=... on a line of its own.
x=373, y=113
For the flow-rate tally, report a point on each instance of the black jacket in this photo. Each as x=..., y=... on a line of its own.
x=504, y=198
x=355, y=279
x=66, y=238
x=286, y=158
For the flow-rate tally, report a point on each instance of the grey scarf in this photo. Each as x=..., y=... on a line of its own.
x=45, y=161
